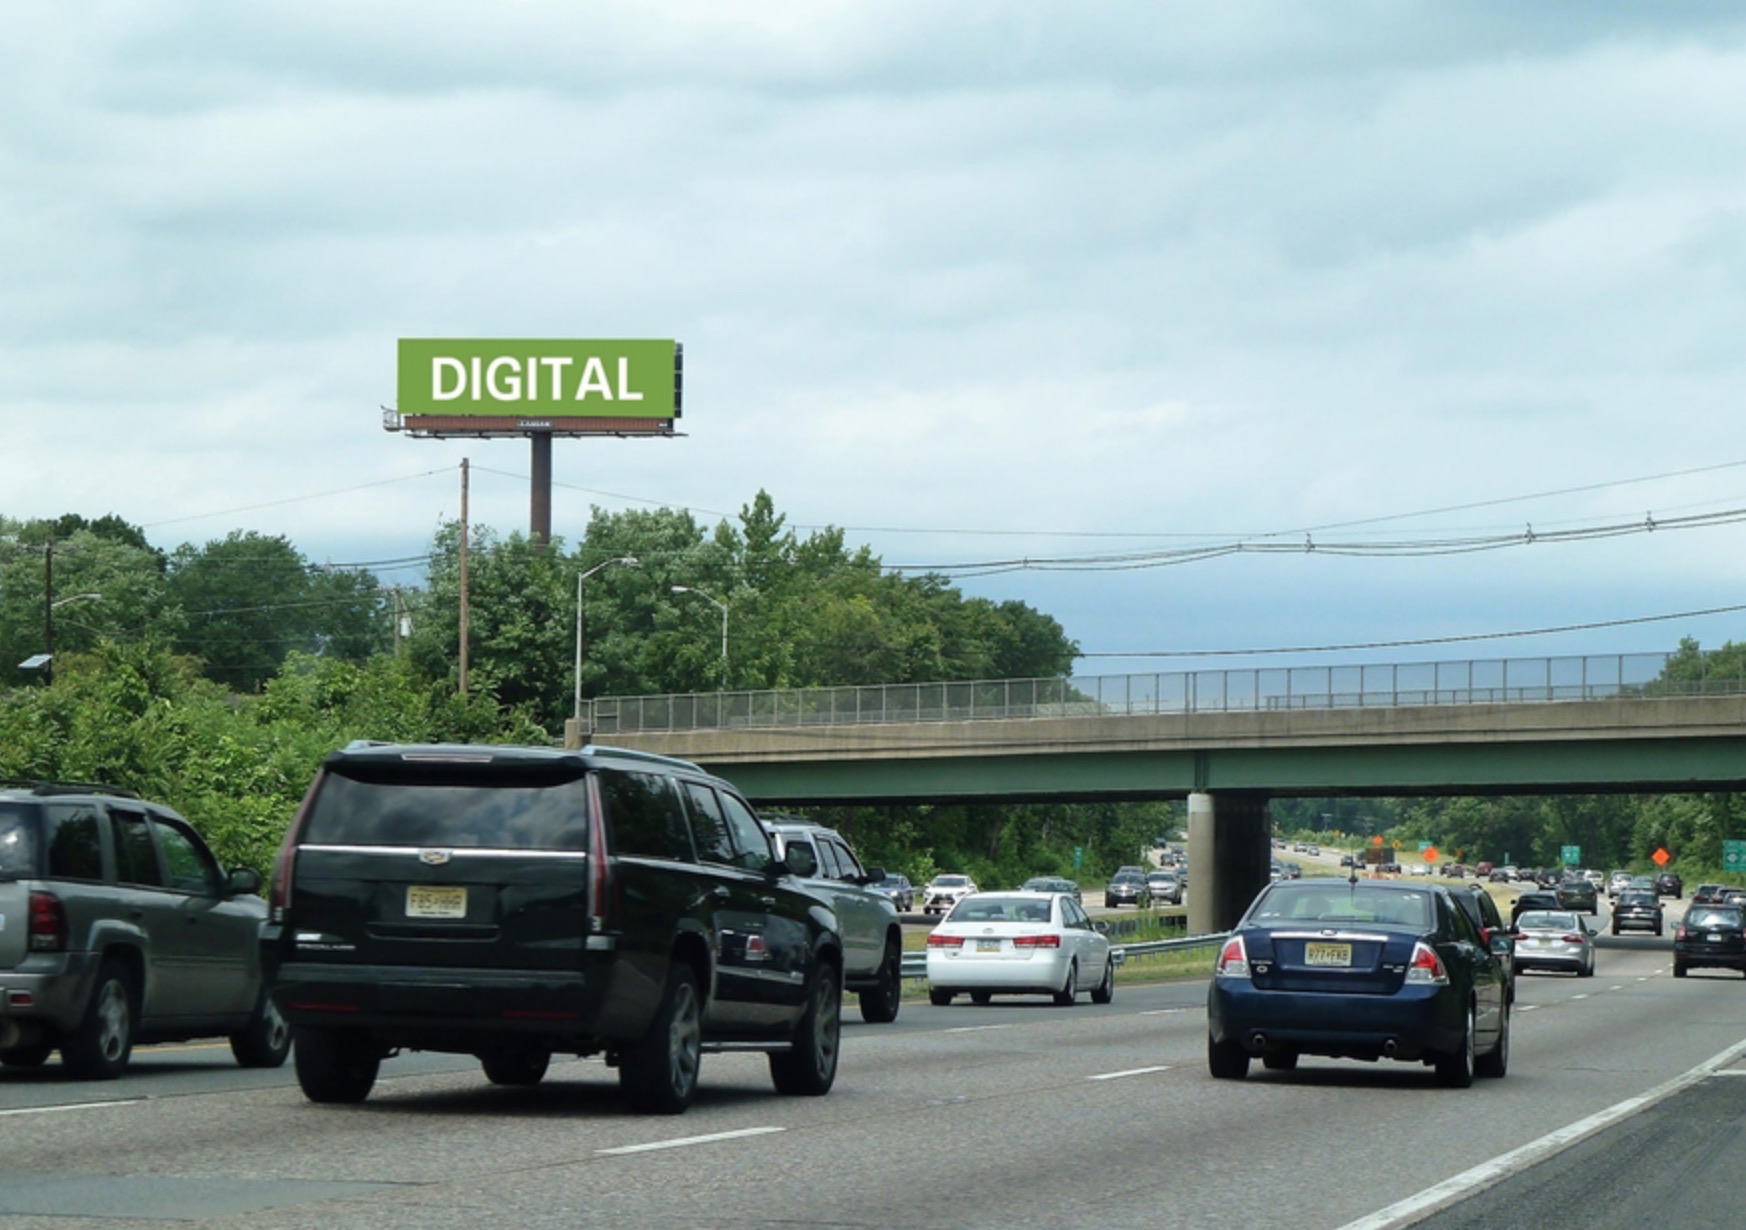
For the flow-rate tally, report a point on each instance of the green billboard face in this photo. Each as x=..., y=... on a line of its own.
x=519, y=379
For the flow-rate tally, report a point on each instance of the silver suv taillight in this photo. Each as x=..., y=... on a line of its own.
x=48, y=923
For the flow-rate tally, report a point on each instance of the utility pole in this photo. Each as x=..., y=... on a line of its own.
x=463, y=576
x=48, y=612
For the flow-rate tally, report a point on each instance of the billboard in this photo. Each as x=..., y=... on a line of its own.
x=513, y=385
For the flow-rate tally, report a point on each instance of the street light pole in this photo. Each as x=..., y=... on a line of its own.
x=722, y=607
x=629, y=561
x=48, y=629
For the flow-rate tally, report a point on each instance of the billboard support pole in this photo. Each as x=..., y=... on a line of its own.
x=540, y=495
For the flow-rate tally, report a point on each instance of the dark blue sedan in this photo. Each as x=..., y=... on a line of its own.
x=1360, y=969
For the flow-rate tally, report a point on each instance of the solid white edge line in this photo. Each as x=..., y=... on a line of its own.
x=973, y=1029
x=686, y=1141
x=49, y=1110
x=1110, y=1076
x=1488, y=1174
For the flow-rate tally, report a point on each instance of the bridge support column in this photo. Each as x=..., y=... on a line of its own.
x=1230, y=858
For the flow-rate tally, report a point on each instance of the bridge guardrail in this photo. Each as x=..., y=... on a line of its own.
x=1385, y=685
x=915, y=964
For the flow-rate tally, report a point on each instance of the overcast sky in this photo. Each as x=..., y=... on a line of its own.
x=978, y=282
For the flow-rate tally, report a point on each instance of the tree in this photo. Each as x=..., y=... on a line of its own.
x=247, y=601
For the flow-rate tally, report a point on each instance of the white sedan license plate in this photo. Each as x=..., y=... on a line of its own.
x=425, y=901
x=1327, y=954
x=987, y=945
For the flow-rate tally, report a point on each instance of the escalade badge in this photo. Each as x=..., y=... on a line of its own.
x=433, y=858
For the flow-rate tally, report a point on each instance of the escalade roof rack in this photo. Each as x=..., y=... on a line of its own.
x=38, y=785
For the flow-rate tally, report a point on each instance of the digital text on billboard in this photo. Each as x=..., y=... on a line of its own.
x=516, y=378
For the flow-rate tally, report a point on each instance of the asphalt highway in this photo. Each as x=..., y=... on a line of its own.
x=1018, y=1113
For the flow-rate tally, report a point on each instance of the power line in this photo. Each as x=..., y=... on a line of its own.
x=1418, y=641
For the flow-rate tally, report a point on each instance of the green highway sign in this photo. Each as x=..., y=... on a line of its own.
x=1734, y=855
x=1572, y=855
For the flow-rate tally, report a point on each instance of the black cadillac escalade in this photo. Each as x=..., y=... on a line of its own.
x=515, y=903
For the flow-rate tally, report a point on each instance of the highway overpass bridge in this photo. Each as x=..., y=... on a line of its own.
x=1225, y=740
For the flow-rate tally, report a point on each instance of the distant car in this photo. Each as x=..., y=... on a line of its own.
x=898, y=890
x=945, y=891
x=1362, y=970
x=1019, y=944
x=1127, y=888
x=1617, y=882
x=1711, y=936
x=1637, y=909
x=1165, y=886
x=1348, y=860
x=1482, y=868
x=1053, y=884
x=1481, y=910
x=1456, y=871
x=1709, y=894
x=1577, y=895
x=1499, y=875
x=1554, y=939
x=1596, y=878
x=1668, y=884
x=871, y=931
x=1534, y=899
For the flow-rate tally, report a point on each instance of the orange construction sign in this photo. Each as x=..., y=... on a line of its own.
x=1660, y=856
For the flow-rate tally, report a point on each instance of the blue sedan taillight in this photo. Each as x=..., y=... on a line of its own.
x=1233, y=959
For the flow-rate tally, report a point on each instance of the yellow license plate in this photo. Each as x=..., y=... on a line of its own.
x=426, y=901
x=987, y=945
x=1327, y=954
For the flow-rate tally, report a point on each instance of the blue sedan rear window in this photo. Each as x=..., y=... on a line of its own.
x=1307, y=901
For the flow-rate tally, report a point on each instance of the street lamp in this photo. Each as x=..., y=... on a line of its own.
x=629, y=561
x=722, y=607
x=48, y=631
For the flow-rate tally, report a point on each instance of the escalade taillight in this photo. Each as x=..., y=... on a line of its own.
x=279, y=895
x=599, y=879
x=48, y=923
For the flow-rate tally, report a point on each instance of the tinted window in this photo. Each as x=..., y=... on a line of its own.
x=192, y=869
x=752, y=842
x=715, y=842
x=136, y=858
x=991, y=907
x=1709, y=917
x=75, y=841
x=453, y=810
x=17, y=850
x=645, y=816
x=848, y=866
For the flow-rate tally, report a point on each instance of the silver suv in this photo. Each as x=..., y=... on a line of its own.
x=872, y=929
x=117, y=926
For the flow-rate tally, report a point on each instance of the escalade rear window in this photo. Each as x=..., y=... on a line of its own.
x=466, y=809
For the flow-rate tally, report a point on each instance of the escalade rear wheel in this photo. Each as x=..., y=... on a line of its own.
x=659, y=1074
x=516, y=1067
x=335, y=1065
x=99, y=1045
x=265, y=1040
x=809, y=1067
x=879, y=1004
x=32, y=1056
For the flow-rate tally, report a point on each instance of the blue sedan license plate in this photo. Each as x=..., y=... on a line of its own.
x=1327, y=954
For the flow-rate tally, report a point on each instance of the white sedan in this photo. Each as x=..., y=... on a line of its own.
x=1019, y=944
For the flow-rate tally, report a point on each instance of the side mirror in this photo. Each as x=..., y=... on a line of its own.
x=242, y=882
x=872, y=875
x=1502, y=945
x=801, y=861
